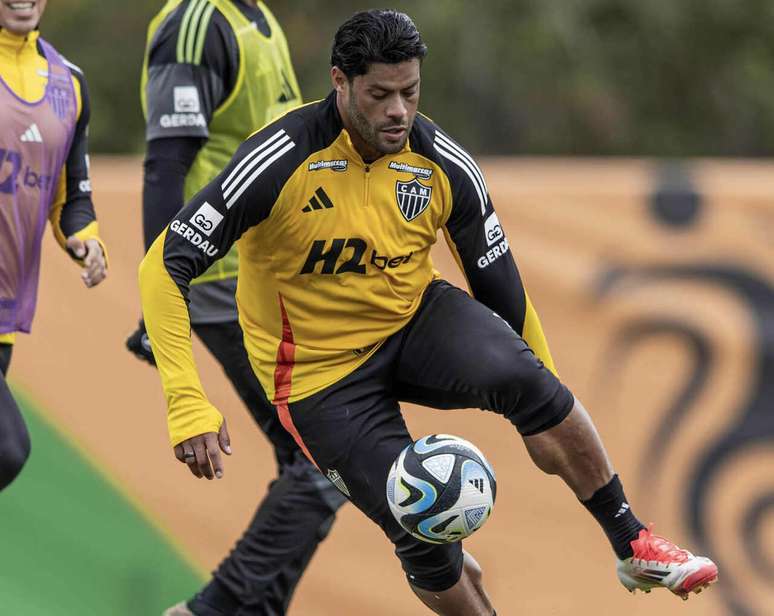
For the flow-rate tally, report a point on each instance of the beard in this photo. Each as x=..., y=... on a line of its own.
x=370, y=133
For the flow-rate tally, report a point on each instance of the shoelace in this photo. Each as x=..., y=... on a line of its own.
x=652, y=547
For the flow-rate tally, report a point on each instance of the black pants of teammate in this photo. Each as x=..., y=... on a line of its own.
x=14, y=439
x=260, y=574
x=454, y=353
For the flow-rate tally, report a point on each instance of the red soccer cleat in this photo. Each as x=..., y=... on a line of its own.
x=658, y=562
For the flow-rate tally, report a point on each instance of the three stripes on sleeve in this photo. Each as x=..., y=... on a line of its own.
x=193, y=31
x=253, y=164
x=454, y=153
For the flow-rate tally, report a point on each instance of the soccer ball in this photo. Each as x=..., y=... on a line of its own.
x=441, y=488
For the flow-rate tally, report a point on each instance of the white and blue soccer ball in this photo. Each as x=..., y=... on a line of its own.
x=441, y=488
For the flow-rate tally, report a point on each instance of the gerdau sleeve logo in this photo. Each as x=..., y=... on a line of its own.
x=206, y=218
x=186, y=99
x=495, y=238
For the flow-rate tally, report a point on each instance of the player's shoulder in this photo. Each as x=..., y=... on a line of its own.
x=189, y=34
x=279, y=149
x=422, y=135
x=74, y=69
x=76, y=72
x=310, y=128
x=431, y=141
x=79, y=79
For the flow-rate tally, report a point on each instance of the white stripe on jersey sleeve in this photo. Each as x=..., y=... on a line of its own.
x=230, y=180
x=441, y=138
x=466, y=168
x=72, y=66
x=246, y=184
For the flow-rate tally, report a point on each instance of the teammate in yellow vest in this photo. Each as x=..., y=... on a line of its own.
x=334, y=208
x=215, y=71
x=44, y=175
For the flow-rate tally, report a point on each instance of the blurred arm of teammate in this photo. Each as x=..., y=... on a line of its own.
x=172, y=147
x=480, y=247
x=199, y=234
x=167, y=163
x=72, y=214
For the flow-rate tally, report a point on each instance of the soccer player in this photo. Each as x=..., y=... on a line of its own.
x=336, y=206
x=44, y=173
x=215, y=71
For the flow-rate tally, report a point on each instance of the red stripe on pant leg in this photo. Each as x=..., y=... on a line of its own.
x=283, y=378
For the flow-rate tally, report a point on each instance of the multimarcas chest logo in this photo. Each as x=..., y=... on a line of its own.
x=421, y=172
x=333, y=165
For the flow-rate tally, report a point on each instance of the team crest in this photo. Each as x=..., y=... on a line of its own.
x=59, y=98
x=413, y=198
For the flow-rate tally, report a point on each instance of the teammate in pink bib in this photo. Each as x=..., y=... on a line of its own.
x=43, y=175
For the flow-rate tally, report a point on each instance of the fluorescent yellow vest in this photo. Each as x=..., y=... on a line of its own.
x=266, y=87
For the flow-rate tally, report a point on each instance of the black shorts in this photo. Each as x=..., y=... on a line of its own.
x=454, y=353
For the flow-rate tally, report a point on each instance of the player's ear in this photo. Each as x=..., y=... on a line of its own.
x=338, y=79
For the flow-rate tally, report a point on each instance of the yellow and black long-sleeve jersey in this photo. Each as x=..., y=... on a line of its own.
x=334, y=255
x=24, y=67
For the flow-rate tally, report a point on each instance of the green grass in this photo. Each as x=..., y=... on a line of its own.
x=71, y=544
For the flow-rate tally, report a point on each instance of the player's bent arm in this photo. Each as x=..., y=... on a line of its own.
x=478, y=243
x=502, y=290
x=169, y=327
x=199, y=234
x=536, y=339
x=72, y=211
x=173, y=146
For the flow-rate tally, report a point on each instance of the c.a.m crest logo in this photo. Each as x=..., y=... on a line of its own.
x=699, y=330
x=413, y=198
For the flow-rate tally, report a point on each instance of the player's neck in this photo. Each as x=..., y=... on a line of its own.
x=17, y=40
x=16, y=47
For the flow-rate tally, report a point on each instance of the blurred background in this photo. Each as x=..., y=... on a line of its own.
x=627, y=149
x=580, y=77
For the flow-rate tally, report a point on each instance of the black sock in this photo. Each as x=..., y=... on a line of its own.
x=610, y=508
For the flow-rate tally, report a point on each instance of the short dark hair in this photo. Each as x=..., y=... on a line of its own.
x=378, y=35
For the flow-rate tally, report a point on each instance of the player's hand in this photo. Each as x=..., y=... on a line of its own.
x=94, y=264
x=139, y=344
x=202, y=453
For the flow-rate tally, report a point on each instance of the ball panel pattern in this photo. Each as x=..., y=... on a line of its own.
x=441, y=488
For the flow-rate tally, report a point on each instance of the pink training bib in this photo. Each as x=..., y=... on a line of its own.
x=35, y=139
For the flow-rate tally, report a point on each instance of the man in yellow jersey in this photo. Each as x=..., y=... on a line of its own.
x=44, y=174
x=335, y=207
x=215, y=71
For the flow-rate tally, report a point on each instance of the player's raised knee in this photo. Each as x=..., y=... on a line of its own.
x=512, y=367
x=529, y=395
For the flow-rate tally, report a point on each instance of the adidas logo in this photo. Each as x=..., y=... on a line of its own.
x=314, y=203
x=32, y=134
x=624, y=508
x=478, y=484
